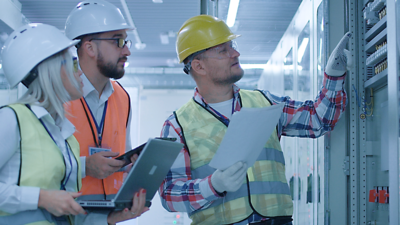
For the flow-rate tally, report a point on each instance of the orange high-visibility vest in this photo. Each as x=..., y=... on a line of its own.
x=113, y=137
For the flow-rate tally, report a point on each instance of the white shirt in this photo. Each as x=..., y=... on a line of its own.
x=96, y=106
x=14, y=198
x=225, y=108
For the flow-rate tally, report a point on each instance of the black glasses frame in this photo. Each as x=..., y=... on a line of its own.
x=121, y=43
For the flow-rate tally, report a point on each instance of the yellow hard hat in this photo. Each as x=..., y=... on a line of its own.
x=201, y=32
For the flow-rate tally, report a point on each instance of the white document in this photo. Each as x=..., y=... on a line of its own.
x=247, y=133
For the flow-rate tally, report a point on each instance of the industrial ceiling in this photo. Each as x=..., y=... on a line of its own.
x=261, y=24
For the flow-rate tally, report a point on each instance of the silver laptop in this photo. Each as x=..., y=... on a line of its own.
x=148, y=172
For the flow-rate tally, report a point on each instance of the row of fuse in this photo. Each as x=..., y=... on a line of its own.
x=381, y=67
x=378, y=55
x=382, y=13
x=377, y=47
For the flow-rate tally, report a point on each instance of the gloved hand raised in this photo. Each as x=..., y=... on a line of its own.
x=230, y=179
x=340, y=60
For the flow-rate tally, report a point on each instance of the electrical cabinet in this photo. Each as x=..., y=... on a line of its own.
x=376, y=62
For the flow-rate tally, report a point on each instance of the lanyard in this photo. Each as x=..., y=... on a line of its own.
x=100, y=127
x=66, y=178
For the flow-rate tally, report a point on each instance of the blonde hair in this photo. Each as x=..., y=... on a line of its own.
x=48, y=90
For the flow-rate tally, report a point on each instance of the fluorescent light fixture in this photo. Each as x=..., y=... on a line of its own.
x=164, y=38
x=232, y=12
x=302, y=49
x=288, y=67
x=253, y=66
x=140, y=46
x=171, y=34
x=158, y=1
x=172, y=62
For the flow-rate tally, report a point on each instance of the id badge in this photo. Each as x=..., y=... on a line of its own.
x=94, y=150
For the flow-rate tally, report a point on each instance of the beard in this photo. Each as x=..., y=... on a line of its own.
x=229, y=80
x=109, y=69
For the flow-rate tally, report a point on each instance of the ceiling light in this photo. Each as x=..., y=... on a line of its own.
x=232, y=11
x=172, y=62
x=164, y=38
x=158, y=1
x=302, y=49
x=126, y=64
x=288, y=67
x=171, y=34
x=1, y=65
x=140, y=46
x=253, y=66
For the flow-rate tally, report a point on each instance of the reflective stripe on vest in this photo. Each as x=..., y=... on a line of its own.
x=268, y=188
x=42, y=165
x=114, y=135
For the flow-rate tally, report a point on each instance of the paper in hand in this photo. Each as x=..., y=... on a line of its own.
x=248, y=132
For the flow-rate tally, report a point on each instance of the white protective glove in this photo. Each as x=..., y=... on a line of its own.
x=231, y=179
x=340, y=60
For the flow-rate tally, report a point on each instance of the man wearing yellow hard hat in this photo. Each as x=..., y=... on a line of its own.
x=238, y=195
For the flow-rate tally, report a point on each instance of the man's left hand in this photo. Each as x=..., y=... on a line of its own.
x=340, y=60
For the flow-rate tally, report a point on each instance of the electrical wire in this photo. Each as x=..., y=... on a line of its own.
x=370, y=104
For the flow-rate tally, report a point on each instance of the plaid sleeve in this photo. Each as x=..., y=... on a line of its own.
x=312, y=118
x=178, y=192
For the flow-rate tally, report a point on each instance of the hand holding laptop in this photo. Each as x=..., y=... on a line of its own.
x=147, y=173
x=138, y=208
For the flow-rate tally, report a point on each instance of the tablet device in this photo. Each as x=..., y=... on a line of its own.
x=127, y=156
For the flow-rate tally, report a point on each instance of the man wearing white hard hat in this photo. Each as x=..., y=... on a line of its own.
x=102, y=115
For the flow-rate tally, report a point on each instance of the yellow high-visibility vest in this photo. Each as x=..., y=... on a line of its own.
x=42, y=165
x=265, y=190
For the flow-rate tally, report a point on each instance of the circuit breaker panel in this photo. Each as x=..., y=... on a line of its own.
x=373, y=108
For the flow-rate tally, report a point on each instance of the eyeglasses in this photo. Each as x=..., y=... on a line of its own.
x=74, y=62
x=119, y=41
x=222, y=51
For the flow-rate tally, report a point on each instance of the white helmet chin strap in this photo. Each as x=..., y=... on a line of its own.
x=31, y=77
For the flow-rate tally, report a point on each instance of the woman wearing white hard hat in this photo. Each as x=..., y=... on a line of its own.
x=40, y=172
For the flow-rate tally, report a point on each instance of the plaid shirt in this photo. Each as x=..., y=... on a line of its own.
x=180, y=193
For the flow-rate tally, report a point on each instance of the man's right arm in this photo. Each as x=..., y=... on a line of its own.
x=179, y=193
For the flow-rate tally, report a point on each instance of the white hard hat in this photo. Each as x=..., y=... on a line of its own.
x=94, y=16
x=29, y=45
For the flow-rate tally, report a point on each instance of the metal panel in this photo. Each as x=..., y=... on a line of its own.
x=338, y=139
x=393, y=100
x=357, y=125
